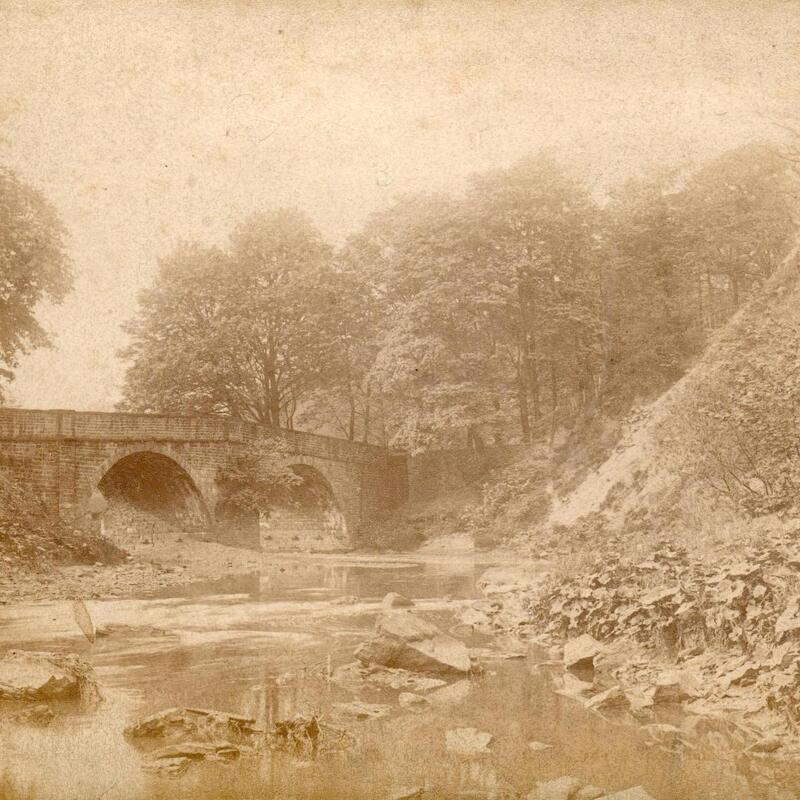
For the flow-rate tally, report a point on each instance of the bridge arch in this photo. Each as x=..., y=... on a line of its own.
x=148, y=491
x=309, y=517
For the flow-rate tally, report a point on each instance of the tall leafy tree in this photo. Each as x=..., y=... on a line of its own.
x=437, y=366
x=739, y=222
x=681, y=254
x=238, y=332
x=491, y=305
x=344, y=400
x=536, y=225
x=647, y=289
x=33, y=267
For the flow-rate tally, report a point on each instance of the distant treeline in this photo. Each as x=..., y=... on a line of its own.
x=453, y=320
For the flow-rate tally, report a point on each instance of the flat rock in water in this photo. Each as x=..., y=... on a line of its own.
x=563, y=788
x=634, y=793
x=613, y=699
x=406, y=641
x=41, y=676
x=181, y=725
x=357, y=675
x=468, y=741
x=395, y=600
x=362, y=711
x=413, y=702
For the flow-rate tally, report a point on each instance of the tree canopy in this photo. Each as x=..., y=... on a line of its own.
x=34, y=267
x=239, y=332
x=488, y=316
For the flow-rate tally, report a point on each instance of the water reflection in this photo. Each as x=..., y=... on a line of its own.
x=265, y=645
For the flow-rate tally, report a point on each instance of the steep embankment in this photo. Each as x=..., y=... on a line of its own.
x=721, y=448
x=32, y=538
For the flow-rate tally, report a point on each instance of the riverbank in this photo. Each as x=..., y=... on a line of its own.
x=148, y=569
x=172, y=562
x=705, y=646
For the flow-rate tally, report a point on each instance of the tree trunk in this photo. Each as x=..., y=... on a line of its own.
x=522, y=399
x=351, y=421
x=533, y=379
x=366, y=414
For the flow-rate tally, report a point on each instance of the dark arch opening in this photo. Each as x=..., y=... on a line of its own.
x=309, y=518
x=150, y=494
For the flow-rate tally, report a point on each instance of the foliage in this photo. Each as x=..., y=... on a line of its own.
x=495, y=316
x=343, y=399
x=741, y=434
x=33, y=267
x=681, y=259
x=32, y=536
x=515, y=498
x=243, y=332
x=255, y=479
x=485, y=300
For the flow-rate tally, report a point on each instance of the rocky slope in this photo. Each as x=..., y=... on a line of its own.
x=720, y=448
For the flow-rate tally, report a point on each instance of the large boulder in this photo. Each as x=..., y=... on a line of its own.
x=35, y=676
x=580, y=654
x=406, y=641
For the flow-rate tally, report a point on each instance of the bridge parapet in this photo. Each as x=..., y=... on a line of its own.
x=98, y=426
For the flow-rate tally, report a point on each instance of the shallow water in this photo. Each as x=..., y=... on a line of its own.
x=261, y=645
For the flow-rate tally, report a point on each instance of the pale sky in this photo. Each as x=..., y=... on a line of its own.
x=145, y=123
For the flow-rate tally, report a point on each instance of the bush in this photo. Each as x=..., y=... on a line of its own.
x=31, y=535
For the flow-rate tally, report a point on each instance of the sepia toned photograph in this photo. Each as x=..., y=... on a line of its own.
x=399, y=400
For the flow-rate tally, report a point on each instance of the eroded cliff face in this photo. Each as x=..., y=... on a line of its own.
x=720, y=448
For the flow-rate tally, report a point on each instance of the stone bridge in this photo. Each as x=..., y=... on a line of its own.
x=75, y=460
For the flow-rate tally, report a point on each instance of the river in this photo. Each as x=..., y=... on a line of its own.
x=265, y=643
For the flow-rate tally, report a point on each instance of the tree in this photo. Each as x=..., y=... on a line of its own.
x=646, y=288
x=486, y=300
x=33, y=267
x=739, y=223
x=343, y=400
x=536, y=226
x=436, y=365
x=681, y=254
x=241, y=332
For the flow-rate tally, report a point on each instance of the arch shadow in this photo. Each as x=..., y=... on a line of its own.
x=148, y=493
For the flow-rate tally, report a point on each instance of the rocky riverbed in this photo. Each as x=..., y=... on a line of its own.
x=702, y=652
x=150, y=567
x=463, y=681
